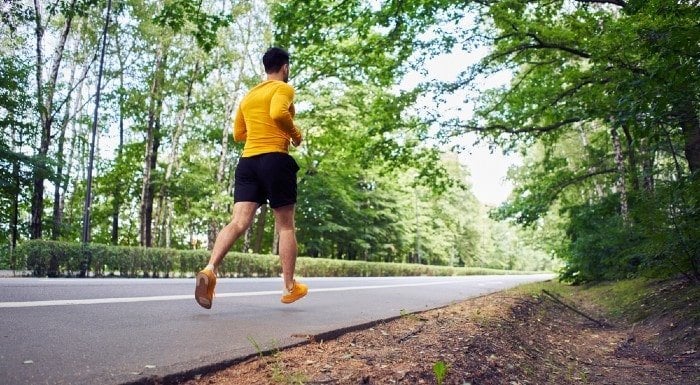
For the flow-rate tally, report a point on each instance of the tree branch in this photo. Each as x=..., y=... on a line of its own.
x=559, y=188
x=620, y=3
x=572, y=90
x=506, y=129
x=546, y=45
x=517, y=84
x=82, y=78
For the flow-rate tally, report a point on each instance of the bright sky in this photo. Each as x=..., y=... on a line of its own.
x=488, y=168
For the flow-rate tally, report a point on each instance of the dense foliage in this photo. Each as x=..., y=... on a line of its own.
x=602, y=104
x=371, y=187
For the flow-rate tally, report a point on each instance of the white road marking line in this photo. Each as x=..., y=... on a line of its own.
x=97, y=301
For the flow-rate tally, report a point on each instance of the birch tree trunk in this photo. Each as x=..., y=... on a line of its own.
x=214, y=226
x=222, y=181
x=117, y=194
x=57, y=214
x=247, y=239
x=71, y=158
x=164, y=204
x=46, y=113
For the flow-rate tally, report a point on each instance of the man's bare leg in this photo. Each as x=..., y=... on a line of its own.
x=243, y=214
x=205, y=280
x=284, y=223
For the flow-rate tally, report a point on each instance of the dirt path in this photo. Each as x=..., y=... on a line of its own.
x=511, y=338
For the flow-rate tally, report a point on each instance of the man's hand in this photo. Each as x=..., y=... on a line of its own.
x=296, y=136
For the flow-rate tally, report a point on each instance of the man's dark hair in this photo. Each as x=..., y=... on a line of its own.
x=274, y=59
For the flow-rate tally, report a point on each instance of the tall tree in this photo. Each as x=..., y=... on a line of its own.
x=46, y=91
x=153, y=137
x=91, y=160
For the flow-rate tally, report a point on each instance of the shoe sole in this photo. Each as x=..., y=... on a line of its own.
x=201, y=291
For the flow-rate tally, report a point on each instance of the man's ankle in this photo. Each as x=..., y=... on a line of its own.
x=289, y=286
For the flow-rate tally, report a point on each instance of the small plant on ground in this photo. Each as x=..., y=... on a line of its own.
x=440, y=369
x=256, y=345
x=406, y=315
x=276, y=365
x=279, y=375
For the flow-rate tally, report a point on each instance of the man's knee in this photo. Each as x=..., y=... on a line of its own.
x=243, y=214
x=240, y=225
x=284, y=218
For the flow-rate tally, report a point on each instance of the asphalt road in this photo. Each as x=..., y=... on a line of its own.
x=111, y=331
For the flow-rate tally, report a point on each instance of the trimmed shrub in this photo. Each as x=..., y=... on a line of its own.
x=53, y=259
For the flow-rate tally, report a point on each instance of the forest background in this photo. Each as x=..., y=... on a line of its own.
x=602, y=106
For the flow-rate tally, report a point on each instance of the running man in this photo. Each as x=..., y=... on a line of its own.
x=265, y=172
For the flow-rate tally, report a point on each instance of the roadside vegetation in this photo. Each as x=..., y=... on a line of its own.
x=643, y=333
x=65, y=259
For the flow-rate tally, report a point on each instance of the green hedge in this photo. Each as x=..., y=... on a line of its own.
x=53, y=259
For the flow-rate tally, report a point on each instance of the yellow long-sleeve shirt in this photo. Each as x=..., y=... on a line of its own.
x=265, y=119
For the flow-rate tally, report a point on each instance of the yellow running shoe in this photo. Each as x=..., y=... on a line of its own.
x=298, y=291
x=204, y=291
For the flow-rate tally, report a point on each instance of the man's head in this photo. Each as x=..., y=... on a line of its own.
x=276, y=61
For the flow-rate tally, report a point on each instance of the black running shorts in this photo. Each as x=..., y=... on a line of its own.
x=266, y=177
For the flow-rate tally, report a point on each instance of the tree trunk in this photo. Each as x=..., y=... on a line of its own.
x=221, y=170
x=598, y=187
x=60, y=160
x=230, y=103
x=690, y=125
x=71, y=157
x=14, y=213
x=631, y=157
x=260, y=229
x=276, y=242
x=648, y=155
x=221, y=173
x=39, y=173
x=87, y=207
x=621, y=184
x=168, y=225
x=46, y=113
x=118, y=198
x=247, y=238
x=152, y=144
x=164, y=204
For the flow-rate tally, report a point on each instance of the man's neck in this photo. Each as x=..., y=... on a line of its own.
x=276, y=76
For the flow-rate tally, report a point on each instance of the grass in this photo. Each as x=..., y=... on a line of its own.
x=280, y=375
x=276, y=366
x=620, y=298
x=256, y=346
x=407, y=315
x=632, y=299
